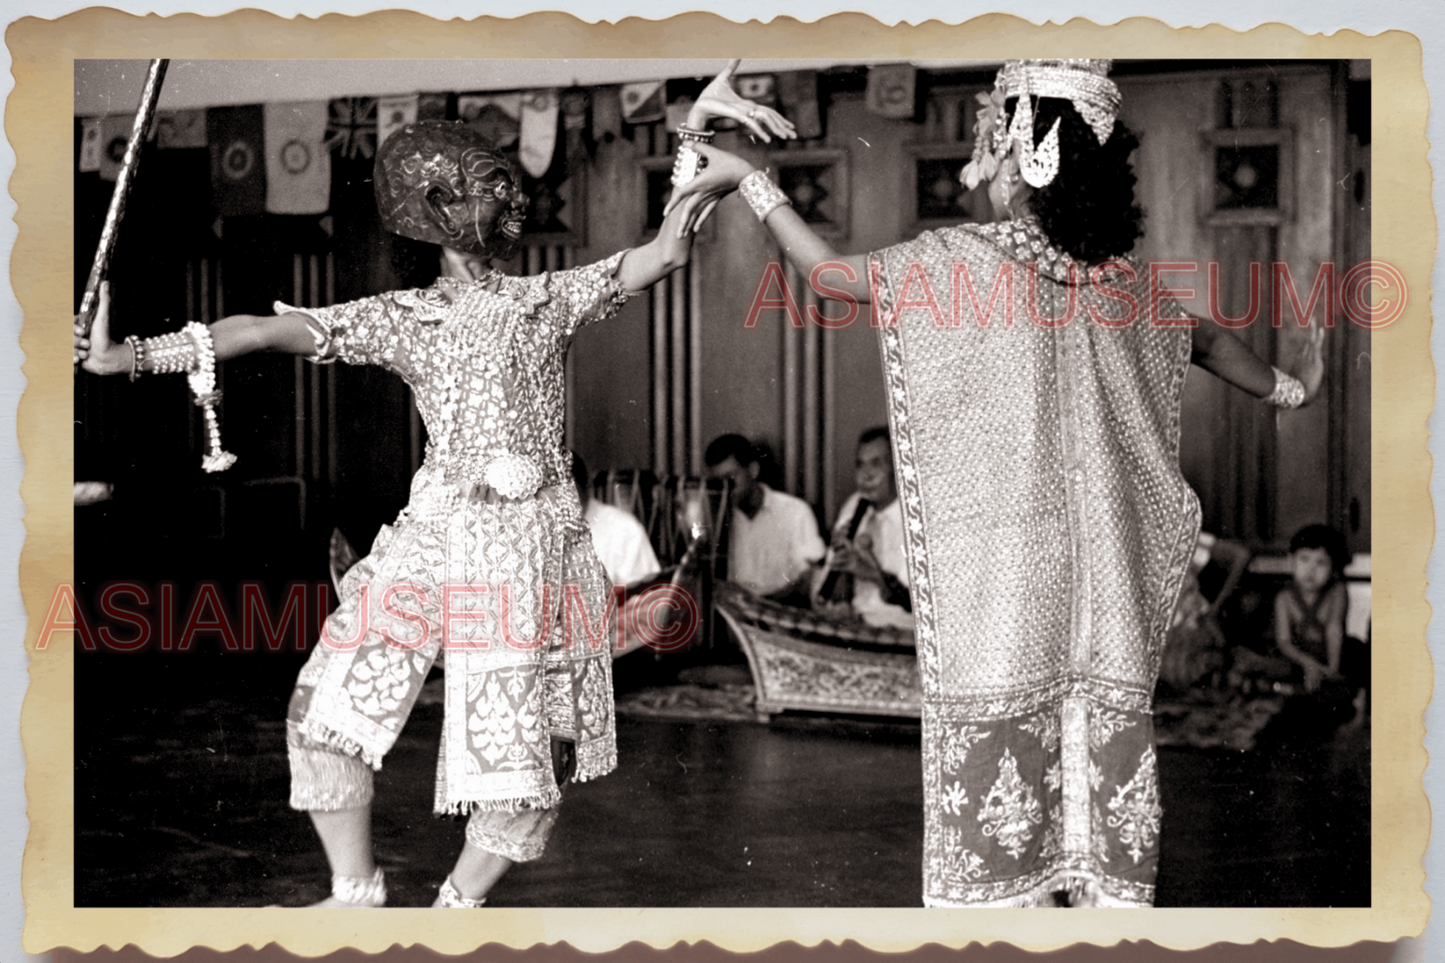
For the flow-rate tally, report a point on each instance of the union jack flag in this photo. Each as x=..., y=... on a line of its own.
x=351, y=127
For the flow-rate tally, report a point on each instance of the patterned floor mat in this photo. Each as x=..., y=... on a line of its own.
x=1206, y=721
x=732, y=703
x=1214, y=720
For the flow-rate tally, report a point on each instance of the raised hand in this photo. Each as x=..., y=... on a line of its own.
x=719, y=99
x=718, y=175
x=97, y=353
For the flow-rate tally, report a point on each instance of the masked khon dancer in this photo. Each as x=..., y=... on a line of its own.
x=492, y=528
x=1048, y=523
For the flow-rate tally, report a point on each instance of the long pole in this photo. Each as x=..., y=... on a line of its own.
x=149, y=95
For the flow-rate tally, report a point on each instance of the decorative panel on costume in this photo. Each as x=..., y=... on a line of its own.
x=1049, y=529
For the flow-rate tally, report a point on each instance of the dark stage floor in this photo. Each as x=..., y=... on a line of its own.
x=181, y=784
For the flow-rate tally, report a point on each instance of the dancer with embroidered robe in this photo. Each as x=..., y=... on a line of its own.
x=490, y=565
x=1048, y=524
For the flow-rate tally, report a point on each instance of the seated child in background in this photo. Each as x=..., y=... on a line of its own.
x=1309, y=617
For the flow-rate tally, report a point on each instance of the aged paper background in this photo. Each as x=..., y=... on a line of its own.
x=38, y=124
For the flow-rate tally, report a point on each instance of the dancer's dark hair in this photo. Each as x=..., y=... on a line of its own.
x=1088, y=210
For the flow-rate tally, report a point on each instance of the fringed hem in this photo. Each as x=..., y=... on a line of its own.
x=317, y=731
x=509, y=804
x=1075, y=886
x=594, y=762
x=520, y=837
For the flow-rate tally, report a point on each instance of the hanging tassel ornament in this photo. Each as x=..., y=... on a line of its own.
x=203, y=385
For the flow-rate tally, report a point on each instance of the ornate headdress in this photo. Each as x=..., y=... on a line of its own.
x=448, y=155
x=1084, y=83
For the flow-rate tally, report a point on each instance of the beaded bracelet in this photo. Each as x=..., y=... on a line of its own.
x=762, y=195
x=704, y=136
x=1289, y=392
x=137, y=355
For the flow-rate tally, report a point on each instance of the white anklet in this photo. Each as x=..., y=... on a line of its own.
x=451, y=898
x=367, y=891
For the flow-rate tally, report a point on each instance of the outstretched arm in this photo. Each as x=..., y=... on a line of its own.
x=233, y=336
x=1222, y=354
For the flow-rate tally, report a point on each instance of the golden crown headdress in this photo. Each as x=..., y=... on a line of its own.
x=1083, y=82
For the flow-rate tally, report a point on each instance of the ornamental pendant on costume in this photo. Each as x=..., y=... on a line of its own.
x=203, y=386
x=1038, y=165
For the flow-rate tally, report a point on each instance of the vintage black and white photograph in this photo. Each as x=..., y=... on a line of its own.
x=703, y=483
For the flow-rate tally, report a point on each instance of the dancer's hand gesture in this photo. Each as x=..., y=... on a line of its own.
x=719, y=99
x=718, y=176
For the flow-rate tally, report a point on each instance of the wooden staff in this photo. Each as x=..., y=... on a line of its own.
x=149, y=95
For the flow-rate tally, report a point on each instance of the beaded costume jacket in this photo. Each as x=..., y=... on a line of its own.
x=509, y=592
x=1048, y=530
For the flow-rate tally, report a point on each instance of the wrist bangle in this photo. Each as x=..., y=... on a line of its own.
x=685, y=165
x=137, y=355
x=1289, y=392
x=704, y=136
x=762, y=195
x=170, y=353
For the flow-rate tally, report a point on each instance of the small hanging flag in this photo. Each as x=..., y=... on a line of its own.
x=497, y=117
x=759, y=88
x=890, y=90
x=606, y=119
x=298, y=166
x=181, y=128
x=798, y=94
x=574, y=108
x=89, y=144
x=351, y=130
x=576, y=148
x=539, y=131
x=114, y=136
x=643, y=103
x=393, y=113
x=431, y=107
x=238, y=159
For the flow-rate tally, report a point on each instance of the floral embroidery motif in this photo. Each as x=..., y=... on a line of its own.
x=1103, y=724
x=1054, y=777
x=956, y=743
x=955, y=797
x=1045, y=727
x=1010, y=808
x=1135, y=807
x=958, y=865
x=380, y=682
x=1096, y=776
x=1053, y=841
